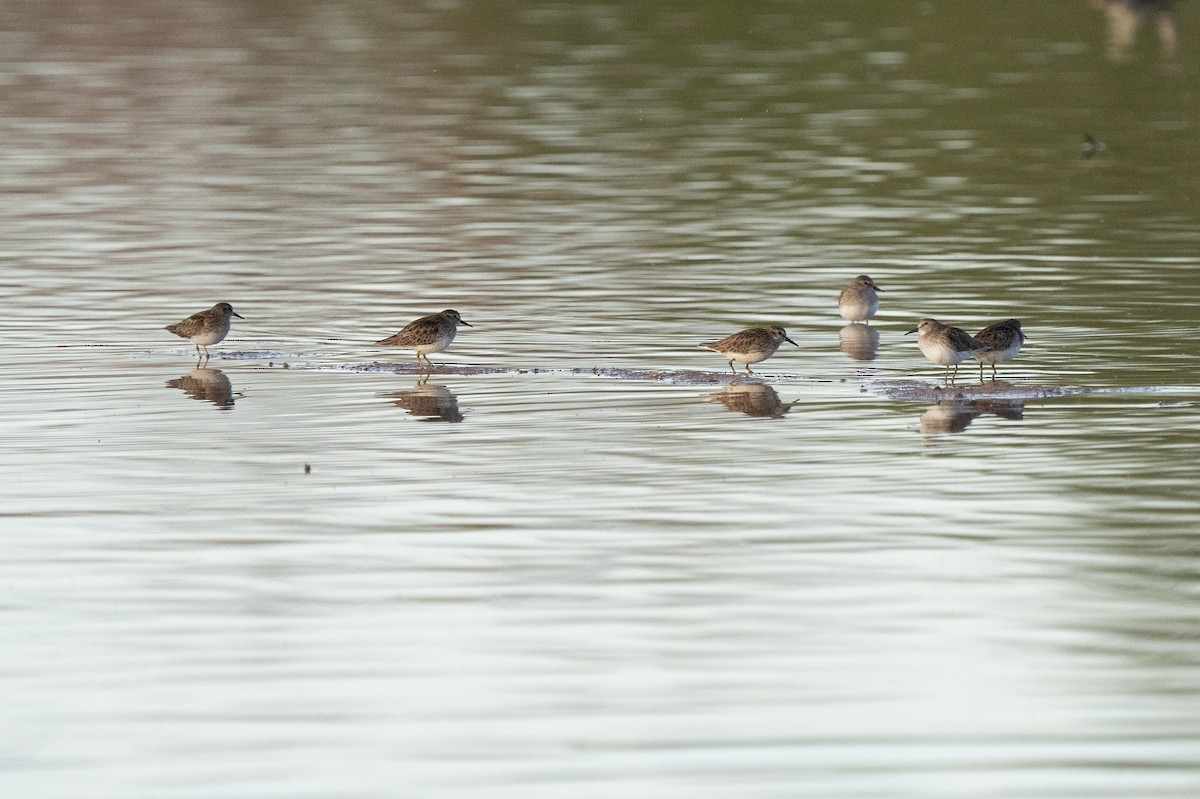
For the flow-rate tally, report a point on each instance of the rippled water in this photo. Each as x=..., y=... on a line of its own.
x=580, y=558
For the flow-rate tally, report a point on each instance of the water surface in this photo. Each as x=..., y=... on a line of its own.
x=580, y=557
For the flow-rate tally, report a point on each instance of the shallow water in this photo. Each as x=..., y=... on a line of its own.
x=580, y=556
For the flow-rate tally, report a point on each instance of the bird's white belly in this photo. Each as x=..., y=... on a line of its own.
x=942, y=353
x=437, y=345
x=749, y=357
x=209, y=337
x=858, y=309
x=999, y=356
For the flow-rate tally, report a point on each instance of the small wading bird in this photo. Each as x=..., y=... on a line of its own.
x=945, y=345
x=1092, y=146
x=858, y=302
x=428, y=334
x=750, y=346
x=1001, y=342
x=206, y=327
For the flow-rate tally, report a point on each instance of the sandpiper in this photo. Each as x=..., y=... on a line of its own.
x=206, y=327
x=428, y=334
x=945, y=345
x=1001, y=343
x=1092, y=146
x=750, y=346
x=858, y=302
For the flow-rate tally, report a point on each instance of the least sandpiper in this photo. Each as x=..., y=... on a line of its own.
x=858, y=302
x=750, y=346
x=428, y=334
x=944, y=345
x=1001, y=343
x=206, y=327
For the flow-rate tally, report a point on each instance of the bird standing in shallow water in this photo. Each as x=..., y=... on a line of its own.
x=945, y=345
x=750, y=346
x=206, y=327
x=428, y=334
x=1001, y=343
x=858, y=302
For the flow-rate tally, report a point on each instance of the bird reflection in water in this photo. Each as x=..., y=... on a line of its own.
x=860, y=342
x=429, y=401
x=752, y=399
x=206, y=385
x=954, y=416
x=1124, y=18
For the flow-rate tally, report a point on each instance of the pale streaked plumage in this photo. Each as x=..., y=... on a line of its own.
x=858, y=302
x=1001, y=343
x=944, y=345
x=206, y=327
x=428, y=334
x=750, y=346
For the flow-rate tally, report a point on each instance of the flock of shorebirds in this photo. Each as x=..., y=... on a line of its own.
x=942, y=344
